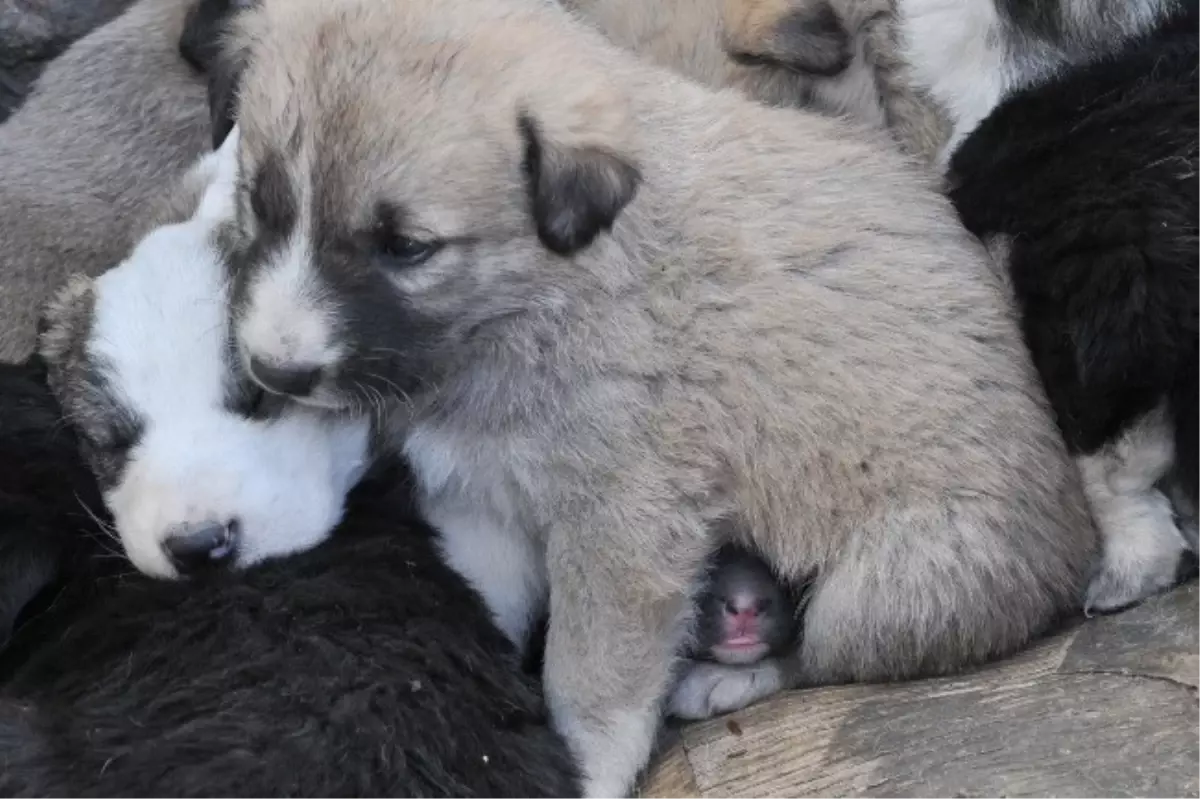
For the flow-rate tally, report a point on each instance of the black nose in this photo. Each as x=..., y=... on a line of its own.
x=197, y=547
x=294, y=381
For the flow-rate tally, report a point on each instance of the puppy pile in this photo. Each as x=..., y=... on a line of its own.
x=730, y=398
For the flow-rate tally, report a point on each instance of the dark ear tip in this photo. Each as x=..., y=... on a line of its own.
x=575, y=193
x=810, y=40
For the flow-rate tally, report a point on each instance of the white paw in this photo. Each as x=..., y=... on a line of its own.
x=1142, y=551
x=709, y=689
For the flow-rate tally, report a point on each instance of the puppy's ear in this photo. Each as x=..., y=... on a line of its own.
x=801, y=35
x=576, y=191
x=205, y=44
x=66, y=319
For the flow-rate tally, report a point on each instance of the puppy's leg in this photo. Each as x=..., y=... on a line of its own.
x=620, y=604
x=505, y=565
x=933, y=588
x=1143, y=546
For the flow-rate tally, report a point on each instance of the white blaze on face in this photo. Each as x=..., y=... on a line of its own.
x=160, y=330
x=288, y=319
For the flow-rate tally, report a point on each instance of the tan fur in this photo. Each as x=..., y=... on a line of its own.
x=697, y=37
x=85, y=157
x=785, y=333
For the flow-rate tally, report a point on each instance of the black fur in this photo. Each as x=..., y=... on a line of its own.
x=201, y=45
x=362, y=668
x=1094, y=176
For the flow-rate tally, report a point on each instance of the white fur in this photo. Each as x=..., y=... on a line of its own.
x=501, y=560
x=291, y=320
x=160, y=326
x=708, y=689
x=954, y=47
x=1142, y=544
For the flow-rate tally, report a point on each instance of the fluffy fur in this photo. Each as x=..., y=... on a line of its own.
x=33, y=33
x=620, y=314
x=780, y=53
x=140, y=358
x=1087, y=185
x=111, y=122
x=361, y=668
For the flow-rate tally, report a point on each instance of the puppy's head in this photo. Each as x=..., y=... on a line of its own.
x=142, y=362
x=414, y=173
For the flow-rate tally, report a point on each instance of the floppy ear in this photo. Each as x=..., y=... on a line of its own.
x=802, y=35
x=204, y=44
x=576, y=191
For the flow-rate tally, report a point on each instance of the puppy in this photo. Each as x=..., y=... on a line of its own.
x=1102, y=254
x=140, y=358
x=961, y=57
x=628, y=319
x=801, y=57
x=111, y=122
x=364, y=667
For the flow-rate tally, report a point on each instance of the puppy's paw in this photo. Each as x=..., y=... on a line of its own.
x=710, y=689
x=1143, y=555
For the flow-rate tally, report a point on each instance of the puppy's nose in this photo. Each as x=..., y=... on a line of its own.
x=198, y=547
x=294, y=381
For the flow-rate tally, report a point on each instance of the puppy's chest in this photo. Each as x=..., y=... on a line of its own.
x=494, y=471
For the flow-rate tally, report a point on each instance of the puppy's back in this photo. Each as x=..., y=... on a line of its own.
x=111, y=121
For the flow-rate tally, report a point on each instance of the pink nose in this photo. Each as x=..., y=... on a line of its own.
x=745, y=608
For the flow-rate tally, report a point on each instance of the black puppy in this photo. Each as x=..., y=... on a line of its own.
x=1085, y=187
x=364, y=667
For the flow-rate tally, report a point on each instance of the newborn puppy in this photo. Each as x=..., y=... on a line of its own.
x=745, y=613
x=141, y=360
x=363, y=667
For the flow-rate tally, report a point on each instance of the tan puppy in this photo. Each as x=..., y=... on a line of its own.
x=621, y=318
x=781, y=52
x=85, y=157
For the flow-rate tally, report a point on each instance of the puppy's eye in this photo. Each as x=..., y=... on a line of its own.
x=401, y=252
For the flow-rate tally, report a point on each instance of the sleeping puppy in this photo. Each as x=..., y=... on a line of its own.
x=628, y=319
x=960, y=57
x=363, y=667
x=111, y=123
x=752, y=46
x=1103, y=254
x=141, y=360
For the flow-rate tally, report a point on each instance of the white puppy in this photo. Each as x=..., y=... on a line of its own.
x=141, y=360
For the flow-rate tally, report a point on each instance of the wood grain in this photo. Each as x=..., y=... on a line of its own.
x=1106, y=708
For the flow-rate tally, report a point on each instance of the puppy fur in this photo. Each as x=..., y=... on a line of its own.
x=46, y=493
x=31, y=34
x=364, y=667
x=1086, y=186
x=111, y=121
x=622, y=313
x=779, y=53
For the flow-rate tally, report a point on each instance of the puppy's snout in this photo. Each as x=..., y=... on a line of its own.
x=294, y=381
x=193, y=548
